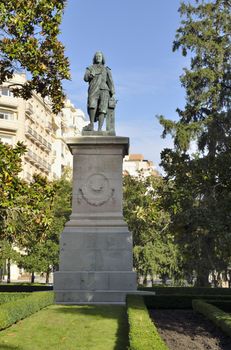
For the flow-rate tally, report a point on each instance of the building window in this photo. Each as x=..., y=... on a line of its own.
x=7, y=139
x=5, y=91
x=6, y=115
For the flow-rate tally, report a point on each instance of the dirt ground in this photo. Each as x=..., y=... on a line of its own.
x=185, y=330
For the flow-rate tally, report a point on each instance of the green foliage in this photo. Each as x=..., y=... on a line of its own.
x=29, y=40
x=32, y=216
x=194, y=291
x=47, y=209
x=143, y=334
x=7, y=251
x=179, y=301
x=200, y=183
x=181, y=297
x=154, y=250
x=217, y=316
x=10, y=185
x=224, y=305
x=24, y=287
x=35, y=236
x=14, y=311
x=7, y=297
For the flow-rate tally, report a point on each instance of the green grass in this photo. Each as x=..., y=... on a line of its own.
x=59, y=327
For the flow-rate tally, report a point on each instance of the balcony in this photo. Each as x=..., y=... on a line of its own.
x=9, y=101
x=29, y=109
x=11, y=125
x=29, y=132
x=48, y=127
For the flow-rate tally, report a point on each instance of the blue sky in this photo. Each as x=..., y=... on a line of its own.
x=136, y=38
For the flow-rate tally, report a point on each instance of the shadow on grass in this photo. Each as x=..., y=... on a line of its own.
x=104, y=311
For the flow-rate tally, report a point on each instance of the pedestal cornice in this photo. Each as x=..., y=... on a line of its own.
x=105, y=141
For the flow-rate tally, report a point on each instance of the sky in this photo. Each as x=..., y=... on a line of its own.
x=136, y=38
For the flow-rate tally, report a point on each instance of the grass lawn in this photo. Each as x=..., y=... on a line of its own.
x=58, y=327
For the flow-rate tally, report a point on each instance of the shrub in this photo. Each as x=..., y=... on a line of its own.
x=6, y=297
x=27, y=288
x=16, y=310
x=217, y=316
x=224, y=305
x=178, y=301
x=187, y=291
x=143, y=334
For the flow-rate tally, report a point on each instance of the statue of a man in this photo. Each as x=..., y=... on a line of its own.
x=101, y=90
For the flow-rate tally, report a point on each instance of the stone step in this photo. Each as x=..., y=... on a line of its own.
x=95, y=297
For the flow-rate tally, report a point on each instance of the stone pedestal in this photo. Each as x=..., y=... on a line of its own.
x=96, y=246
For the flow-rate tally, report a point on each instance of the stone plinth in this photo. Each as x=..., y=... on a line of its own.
x=96, y=246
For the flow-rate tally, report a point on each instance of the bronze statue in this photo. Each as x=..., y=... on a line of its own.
x=101, y=100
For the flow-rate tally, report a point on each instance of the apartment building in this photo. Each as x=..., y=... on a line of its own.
x=69, y=123
x=34, y=123
x=44, y=133
x=135, y=164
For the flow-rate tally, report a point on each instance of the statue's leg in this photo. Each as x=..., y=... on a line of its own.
x=91, y=112
x=103, y=106
x=101, y=120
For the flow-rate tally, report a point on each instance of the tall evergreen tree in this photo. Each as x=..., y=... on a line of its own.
x=200, y=198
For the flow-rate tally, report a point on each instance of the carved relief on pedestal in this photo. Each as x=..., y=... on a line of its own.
x=97, y=190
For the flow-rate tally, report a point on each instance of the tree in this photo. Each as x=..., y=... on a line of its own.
x=200, y=182
x=11, y=190
x=29, y=40
x=47, y=208
x=35, y=222
x=154, y=250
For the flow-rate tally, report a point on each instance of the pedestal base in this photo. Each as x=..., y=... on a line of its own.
x=95, y=266
x=96, y=246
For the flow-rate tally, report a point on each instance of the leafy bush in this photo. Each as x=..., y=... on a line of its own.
x=178, y=301
x=187, y=291
x=224, y=305
x=27, y=288
x=6, y=297
x=217, y=316
x=143, y=334
x=16, y=310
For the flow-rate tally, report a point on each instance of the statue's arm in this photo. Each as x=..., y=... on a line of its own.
x=87, y=75
x=110, y=81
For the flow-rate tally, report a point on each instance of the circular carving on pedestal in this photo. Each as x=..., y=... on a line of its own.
x=97, y=190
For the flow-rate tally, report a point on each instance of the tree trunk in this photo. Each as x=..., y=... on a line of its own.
x=32, y=277
x=145, y=280
x=215, y=279
x=8, y=270
x=202, y=279
x=47, y=276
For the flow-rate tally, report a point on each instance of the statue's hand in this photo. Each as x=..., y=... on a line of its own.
x=91, y=75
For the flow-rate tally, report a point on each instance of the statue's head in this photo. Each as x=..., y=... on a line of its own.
x=98, y=58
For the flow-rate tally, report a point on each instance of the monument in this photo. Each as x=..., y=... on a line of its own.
x=96, y=264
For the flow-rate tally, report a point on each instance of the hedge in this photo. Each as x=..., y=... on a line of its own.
x=178, y=301
x=224, y=305
x=187, y=290
x=27, y=288
x=217, y=316
x=6, y=297
x=143, y=334
x=14, y=311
